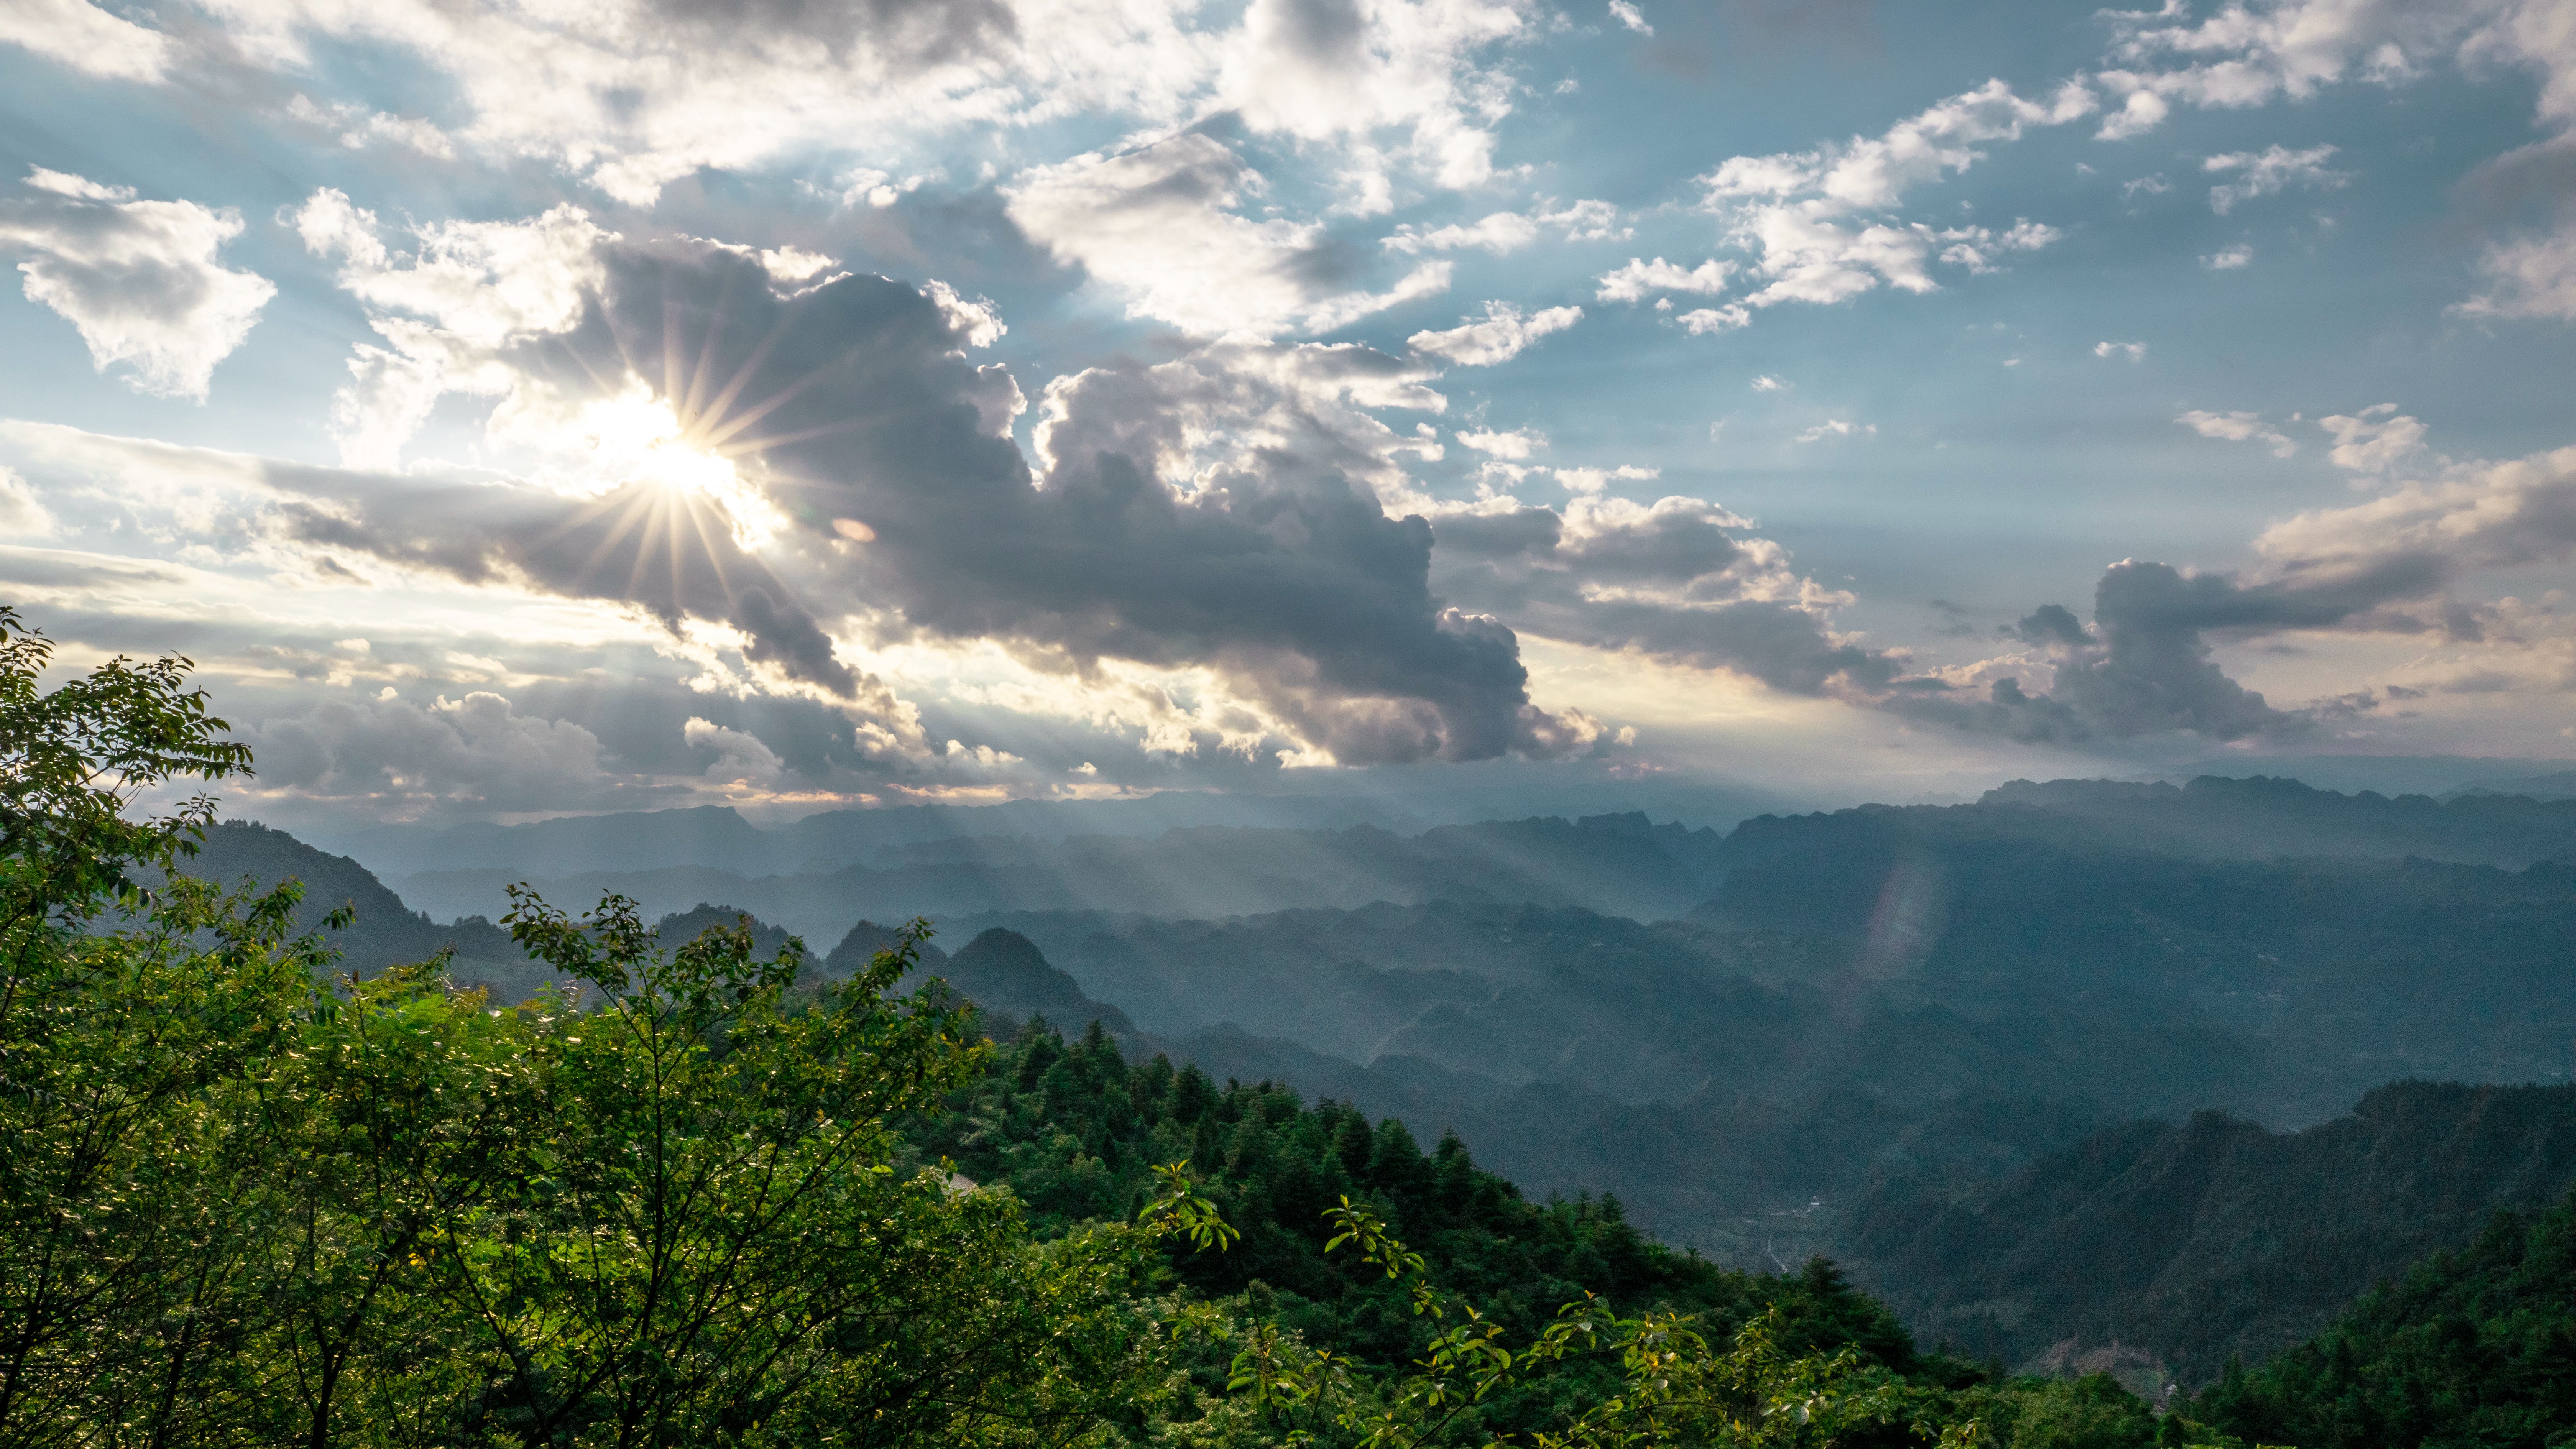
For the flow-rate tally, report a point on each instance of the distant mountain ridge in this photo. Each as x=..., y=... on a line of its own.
x=1617, y=864
x=718, y=836
x=2210, y=817
x=2215, y=1237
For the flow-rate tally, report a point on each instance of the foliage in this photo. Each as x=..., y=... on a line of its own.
x=2476, y=1347
x=243, y=1203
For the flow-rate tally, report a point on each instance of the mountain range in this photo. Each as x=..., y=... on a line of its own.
x=1879, y=1032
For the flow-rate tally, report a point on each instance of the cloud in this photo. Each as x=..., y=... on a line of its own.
x=1630, y=16
x=357, y=127
x=1767, y=383
x=739, y=756
x=2390, y=565
x=1640, y=279
x=86, y=38
x=2479, y=515
x=2245, y=55
x=1837, y=428
x=2269, y=172
x=1509, y=231
x=1704, y=320
x=2374, y=442
x=1503, y=231
x=2528, y=277
x=2134, y=351
x=632, y=95
x=1672, y=579
x=2228, y=259
x=400, y=758
x=464, y=292
x=2239, y=428
x=1517, y=445
x=138, y=279
x=1594, y=480
x=1816, y=221
x=1158, y=226
x=1503, y=334
x=22, y=513
x=1216, y=514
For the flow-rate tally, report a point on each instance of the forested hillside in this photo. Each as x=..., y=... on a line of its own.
x=2472, y=1347
x=2215, y=1238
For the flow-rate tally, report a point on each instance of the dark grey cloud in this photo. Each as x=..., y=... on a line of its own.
x=2145, y=665
x=1673, y=579
x=1276, y=568
x=669, y=553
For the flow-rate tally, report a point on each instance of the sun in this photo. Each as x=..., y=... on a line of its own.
x=635, y=444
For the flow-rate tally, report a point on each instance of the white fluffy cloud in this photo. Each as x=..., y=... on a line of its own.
x=1640, y=279
x=1517, y=445
x=1503, y=334
x=2476, y=515
x=2239, y=428
x=2229, y=258
x=2376, y=440
x=1816, y=221
x=2134, y=351
x=2267, y=172
x=139, y=279
x=22, y=513
x=2528, y=277
x=86, y=38
x=632, y=95
x=1159, y=226
x=2247, y=54
x=1509, y=231
x=464, y=291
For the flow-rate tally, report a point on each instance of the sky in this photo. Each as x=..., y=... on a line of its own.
x=574, y=405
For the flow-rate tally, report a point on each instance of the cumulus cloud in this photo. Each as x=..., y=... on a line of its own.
x=632, y=95
x=86, y=38
x=2268, y=172
x=397, y=757
x=139, y=279
x=2390, y=565
x=2377, y=439
x=1517, y=444
x=2134, y=351
x=1509, y=231
x=1675, y=579
x=2228, y=259
x=1817, y=221
x=1837, y=428
x=2239, y=428
x=1767, y=383
x=2244, y=55
x=463, y=292
x=1594, y=480
x=1159, y=226
x=1630, y=16
x=739, y=755
x=22, y=513
x=358, y=127
x=1217, y=514
x=1503, y=334
x=1641, y=279
x=2528, y=277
